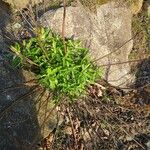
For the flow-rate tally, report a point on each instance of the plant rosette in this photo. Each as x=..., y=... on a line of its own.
x=65, y=73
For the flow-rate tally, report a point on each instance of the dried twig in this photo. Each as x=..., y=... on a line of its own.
x=63, y=25
x=72, y=126
x=123, y=62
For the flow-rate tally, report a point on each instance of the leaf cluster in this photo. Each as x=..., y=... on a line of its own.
x=66, y=74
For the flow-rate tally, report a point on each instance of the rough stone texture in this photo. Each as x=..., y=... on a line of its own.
x=31, y=119
x=135, y=5
x=102, y=33
x=25, y=124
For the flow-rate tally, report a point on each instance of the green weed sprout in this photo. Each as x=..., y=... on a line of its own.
x=66, y=74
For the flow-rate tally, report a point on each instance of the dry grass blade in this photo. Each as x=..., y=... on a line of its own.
x=31, y=26
x=119, y=63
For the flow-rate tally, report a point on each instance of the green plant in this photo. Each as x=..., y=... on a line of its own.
x=66, y=74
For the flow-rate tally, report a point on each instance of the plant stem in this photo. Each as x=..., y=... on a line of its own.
x=63, y=25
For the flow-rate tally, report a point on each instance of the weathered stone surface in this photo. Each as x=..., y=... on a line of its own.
x=104, y=33
x=23, y=125
x=31, y=118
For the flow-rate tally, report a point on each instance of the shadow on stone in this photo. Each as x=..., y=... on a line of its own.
x=142, y=82
x=19, y=126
